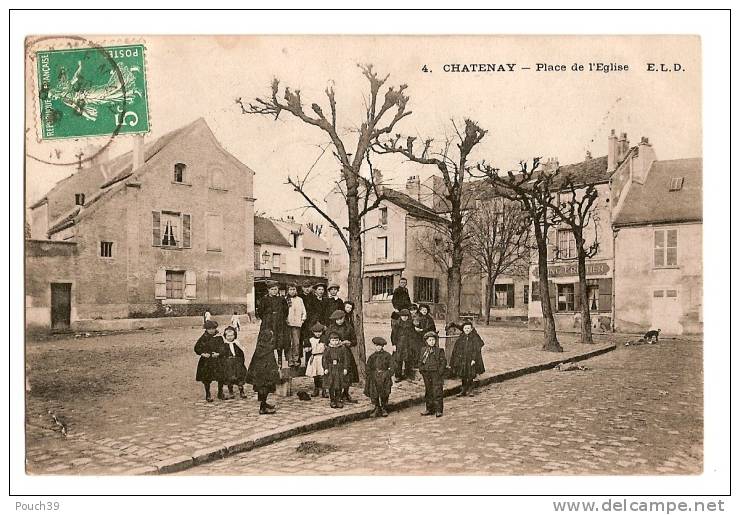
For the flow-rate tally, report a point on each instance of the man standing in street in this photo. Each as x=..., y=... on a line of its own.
x=295, y=319
x=273, y=311
x=400, y=300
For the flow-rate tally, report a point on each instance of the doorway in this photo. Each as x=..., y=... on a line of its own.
x=61, y=306
x=666, y=311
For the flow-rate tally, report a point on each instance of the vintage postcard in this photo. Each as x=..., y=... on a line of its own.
x=364, y=255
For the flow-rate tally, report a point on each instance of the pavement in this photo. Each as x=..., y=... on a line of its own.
x=637, y=410
x=153, y=419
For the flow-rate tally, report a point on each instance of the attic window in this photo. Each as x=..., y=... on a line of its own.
x=79, y=199
x=676, y=184
x=180, y=172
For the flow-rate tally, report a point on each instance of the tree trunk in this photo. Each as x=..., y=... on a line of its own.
x=454, y=292
x=550, y=336
x=354, y=283
x=489, y=292
x=586, y=336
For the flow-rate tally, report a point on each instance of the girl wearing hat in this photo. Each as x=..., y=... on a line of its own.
x=263, y=373
x=314, y=366
x=234, y=371
x=432, y=365
x=209, y=347
x=466, y=361
x=343, y=326
x=334, y=361
x=379, y=377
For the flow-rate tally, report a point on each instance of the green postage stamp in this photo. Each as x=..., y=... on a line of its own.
x=94, y=91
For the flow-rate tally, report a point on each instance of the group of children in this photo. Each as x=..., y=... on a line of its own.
x=332, y=365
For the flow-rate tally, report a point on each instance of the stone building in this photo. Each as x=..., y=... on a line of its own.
x=164, y=229
x=658, y=246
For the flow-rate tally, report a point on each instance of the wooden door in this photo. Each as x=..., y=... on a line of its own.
x=61, y=305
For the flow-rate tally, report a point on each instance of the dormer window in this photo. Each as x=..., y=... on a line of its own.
x=676, y=184
x=180, y=172
x=79, y=199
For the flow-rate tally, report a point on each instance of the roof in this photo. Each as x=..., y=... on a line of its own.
x=411, y=206
x=590, y=171
x=653, y=202
x=265, y=231
x=313, y=242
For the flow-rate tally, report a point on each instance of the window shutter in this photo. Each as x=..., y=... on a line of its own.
x=577, y=296
x=156, y=230
x=510, y=295
x=366, y=288
x=284, y=263
x=605, y=295
x=436, y=291
x=313, y=266
x=416, y=289
x=553, y=296
x=160, y=284
x=185, y=231
x=190, y=288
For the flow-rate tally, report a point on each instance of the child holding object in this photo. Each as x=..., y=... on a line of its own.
x=263, y=373
x=209, y=347
x=315, y=367
x=467, y=361
x=432, y=365
x=335, y=368
x=379, y=377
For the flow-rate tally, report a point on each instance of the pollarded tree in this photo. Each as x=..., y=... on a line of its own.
x=361, y=193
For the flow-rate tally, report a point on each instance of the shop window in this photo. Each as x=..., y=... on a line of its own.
x=593, y=297
x=566, y=297
x=381, y=287
x=503, y=296
x=666, y=247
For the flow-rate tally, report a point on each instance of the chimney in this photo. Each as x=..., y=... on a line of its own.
x=588, y=155
x=138, y=152
x=643, y=161
x=612, y=159
x=623, y=147
x=413, y=187
x=551, y=165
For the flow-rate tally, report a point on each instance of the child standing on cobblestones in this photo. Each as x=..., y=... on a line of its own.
x=432, y=365
x=379, y=377
x=466, y=360
x=235, y=373
x=209, y=347
x=335, y=368
x=314, y=366
x=403, y=337
x=263, y=373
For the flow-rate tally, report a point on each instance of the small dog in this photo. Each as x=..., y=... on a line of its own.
x=652, y=336
x=304, y=396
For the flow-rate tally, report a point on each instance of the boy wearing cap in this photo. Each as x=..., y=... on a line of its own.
x=346, y=332
x=402, y=337
x=432, y=365
x=333, y=302
x=379, y=372
x=314, y=365
x=296, y=317
x=334, y=362
x=209, y=347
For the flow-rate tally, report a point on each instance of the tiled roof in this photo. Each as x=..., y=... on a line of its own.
x=266, y=232
x=590, y=171
x=653, y=202
x=313, y=242
x=412, y=206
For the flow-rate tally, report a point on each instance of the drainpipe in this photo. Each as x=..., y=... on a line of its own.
x=615, y=232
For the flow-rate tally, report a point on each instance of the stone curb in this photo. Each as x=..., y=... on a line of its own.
x=319, y=422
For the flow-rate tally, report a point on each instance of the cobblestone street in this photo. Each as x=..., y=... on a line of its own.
x=129, y=400
x=637, y=410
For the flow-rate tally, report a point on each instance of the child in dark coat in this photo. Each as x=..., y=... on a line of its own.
x=432, y=365
x=263, y=373
x=402, y=337
x=335, y=369
x=209, y=346
x=234, y=371
x=379, y=377
x=466, y=361
x=341, y=323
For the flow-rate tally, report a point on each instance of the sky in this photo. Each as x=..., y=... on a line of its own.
x=527, y=113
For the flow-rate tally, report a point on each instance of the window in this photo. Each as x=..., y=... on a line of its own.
x=79, y=199
x=381, y=249
x=593, y=297
x=295, y=236
x=383, y=218
x=425, y=289
x=381, y=287
x=179, y=175
x=535, y=291
x=324, y=267
x=175, y=282
x=676, y=184
x=306, y=266
x=526, y=294
x=217, y=179
x=213, y=285
x=170, y=227
x=566, y=297
x=276, y=262
x=666, y=247
x=566, y=245
x=214, y=232
x=106, y=249
x=503, y=295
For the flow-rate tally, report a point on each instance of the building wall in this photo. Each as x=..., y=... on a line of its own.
x=47, y=262
x=636, y=278
x=521, y=300
x=564, y=271
x=338, y=256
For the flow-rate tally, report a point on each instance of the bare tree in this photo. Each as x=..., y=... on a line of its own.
x=361, y=194
x=531, y=187
x=499, y=242
x=455, y=169
x=575, y=206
